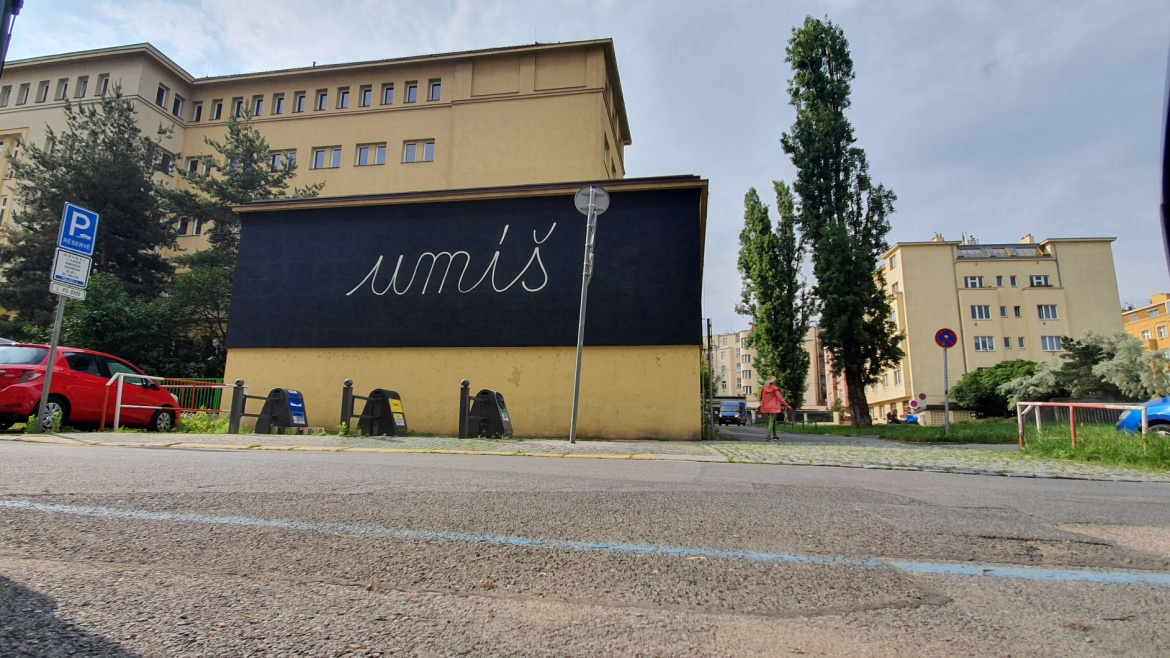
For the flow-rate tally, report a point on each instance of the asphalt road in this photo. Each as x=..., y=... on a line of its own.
x=130, y=551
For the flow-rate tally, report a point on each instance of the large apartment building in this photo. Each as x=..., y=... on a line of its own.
x=1150, y=323
x=736, y=375
x=1004, y=301
x=542, y=113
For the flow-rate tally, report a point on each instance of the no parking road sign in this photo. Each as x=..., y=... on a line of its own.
x=946, y=338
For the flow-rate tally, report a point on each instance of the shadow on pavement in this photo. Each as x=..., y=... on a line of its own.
x=28, y=628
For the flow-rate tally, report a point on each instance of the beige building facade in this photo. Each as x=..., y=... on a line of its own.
x=506, y=116
x=1004, y=301
x=733, y=364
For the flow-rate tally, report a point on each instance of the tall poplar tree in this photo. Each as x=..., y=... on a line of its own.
x=100, y=161
x=773, y=294
x=843, y=213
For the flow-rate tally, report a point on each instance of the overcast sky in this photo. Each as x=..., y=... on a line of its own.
x=991, y=118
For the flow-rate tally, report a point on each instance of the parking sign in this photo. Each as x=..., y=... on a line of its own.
x=78, y=230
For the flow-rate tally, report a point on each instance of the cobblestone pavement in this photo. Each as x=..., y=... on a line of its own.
x=862, y=453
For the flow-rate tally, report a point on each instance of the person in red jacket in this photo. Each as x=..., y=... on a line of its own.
x=772, y=403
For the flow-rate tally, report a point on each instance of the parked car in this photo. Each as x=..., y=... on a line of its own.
x=1157, y=415
x=733, y=413
x=79, y=389
x=5, y=341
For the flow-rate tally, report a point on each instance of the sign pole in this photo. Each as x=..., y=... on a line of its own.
x=946, y=391
x=44, y=420
x=591, y=200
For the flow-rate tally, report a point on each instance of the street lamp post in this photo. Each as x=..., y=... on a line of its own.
x=591, y=200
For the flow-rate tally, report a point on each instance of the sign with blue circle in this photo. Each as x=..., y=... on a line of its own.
x=946, y=338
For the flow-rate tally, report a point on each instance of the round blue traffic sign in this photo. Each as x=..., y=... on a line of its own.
x=946, y=338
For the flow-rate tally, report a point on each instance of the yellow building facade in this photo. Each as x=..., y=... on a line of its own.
x=1150, y=323
x=1004, y=301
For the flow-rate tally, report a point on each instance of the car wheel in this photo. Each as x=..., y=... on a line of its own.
x=1161, y=428
x=162, y=421
x=56, y=405
x=5, y=424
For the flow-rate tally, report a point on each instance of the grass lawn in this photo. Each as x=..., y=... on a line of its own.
x=1100, y=444
x=982, y=431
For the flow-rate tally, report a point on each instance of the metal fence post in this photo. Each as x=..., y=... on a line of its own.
x=1020, y=422
x=346, y=402
x=1146, y=429
x=237, y=409
x=1072, y=421
x=464, y=393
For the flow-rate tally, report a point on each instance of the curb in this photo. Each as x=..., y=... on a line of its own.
x=951, y=470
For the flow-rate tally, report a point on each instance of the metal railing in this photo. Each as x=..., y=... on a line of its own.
x=1036, y=408
x=199, y=398
x=198, y=393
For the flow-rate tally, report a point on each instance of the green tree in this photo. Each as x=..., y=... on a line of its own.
x=200, y=299
x=773, y=294
x=1114, y=367
x=980, y=389
x=244, y=171
x=103, y=162
x=1136, y=372
x=145, y=332
x=843, y=214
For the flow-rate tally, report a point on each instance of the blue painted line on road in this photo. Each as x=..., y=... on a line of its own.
x=916, y=567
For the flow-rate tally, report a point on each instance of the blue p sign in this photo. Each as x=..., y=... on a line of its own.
x=78, y=230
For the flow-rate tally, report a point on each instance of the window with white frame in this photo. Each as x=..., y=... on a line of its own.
x=1007, y=343
x=22, y=94
x=1003, y=311
x=435, y=91
x=1019, y=312
x=998, y=281
x=1133, y=318
x=43, y=91
x=894, y=262
x=1161, y=331
x=62, y=90
x=1046, y=311
x=747, y=374
x=1040, y=281
x=747, y=390
x=5, y=95
x=388, y=94
x=973, y=281
x=1145, y=334
x=216, y=110
x=197, y=112
x=1012, y=278
x=160, y=96
x=103, y=84
x=1050, y=343
x=279, y=160
x=1154, y=313
x=371, y=154
x=894, y=287
x=257, y=106
x=343, y=98
x=411, y=92
x=897, y=377
x=177, y=106
x=299, y=102
x=1020, y=342
x=3, y=210
x=980, y=312
x=278, y=103
x=423, y=151
x=322, y=99
x=82, y=86
x=984, y=343
x=365, y=96
x=238, y=108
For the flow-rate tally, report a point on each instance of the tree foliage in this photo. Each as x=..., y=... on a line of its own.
x=774, y=295
x=103, y=162
x=979, y=389
x=843, y=214
x=1114, y=367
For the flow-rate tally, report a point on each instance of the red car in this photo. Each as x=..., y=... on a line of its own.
x=79, y=388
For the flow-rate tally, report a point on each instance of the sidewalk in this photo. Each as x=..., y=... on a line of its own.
x=993, y=460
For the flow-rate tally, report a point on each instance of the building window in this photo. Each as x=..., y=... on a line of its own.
x=257, y=106
x=1003, y=311
x=1161, y=331
x=238, y=107
x=979, y=312
x=216, y=110
x=894, y=262
x=436, y=90
x=1007, y=343
x=365, y=96
x=747, y=374
x=335, y=159
x=894, y=317
x=283, y=160
x=1154, y=313
x=5, y=94
x=1040, y=281
x=82, y=87
x=166, y=163
x=897, y=378
x=411, y=92
x=318, y=158
x=998, y=281
x=278, y=103
x=192, y=165
x=103, y=84
x=984, y=344
x=411, y=151
x=196, y=112
x=1046, y=311
x=322, y=99
x=299, y=102
x=894, y=287
x=177, y=106
x=1020, y=342
x=22, y=94
x=1013, y=280
x=973, y=282
x=371, y=154
x=1050, y=343
x=747, y=358
x=43, y=91
x=1019, y=312
x=160, y=96
x=343, y=98
x=1133, y=318
x=747, y=390
x=62, y=89
x=3, y=209
x=1145, y=334
x=388, y=94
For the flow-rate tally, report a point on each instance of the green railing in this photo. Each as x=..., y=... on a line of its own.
x=193, y=396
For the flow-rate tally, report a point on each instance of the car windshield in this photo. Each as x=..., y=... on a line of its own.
x=730, y=406
x=22, y=356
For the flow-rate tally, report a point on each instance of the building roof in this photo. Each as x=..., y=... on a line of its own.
x=996, y=250
x=150, y=50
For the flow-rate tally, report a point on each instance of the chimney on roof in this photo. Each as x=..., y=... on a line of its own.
x=938, y=237
x=1028, y=239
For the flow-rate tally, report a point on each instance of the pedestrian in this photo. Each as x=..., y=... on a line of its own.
x=772, y=403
